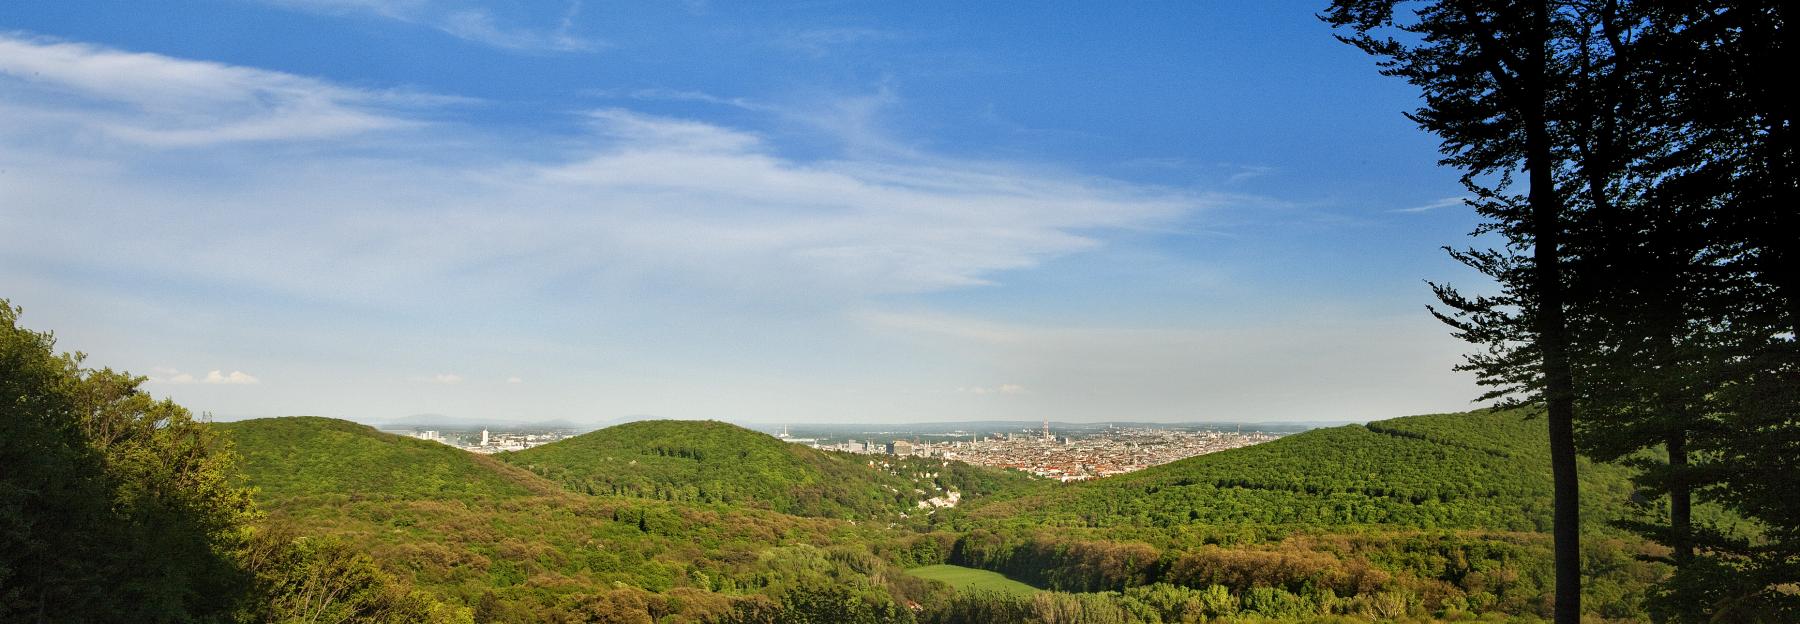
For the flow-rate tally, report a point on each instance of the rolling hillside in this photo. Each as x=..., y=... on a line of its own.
x=1484, y=470
x=717, y=463
x=1443, y=513
x=514, y=547
x=1422, y=515
x=303, y=456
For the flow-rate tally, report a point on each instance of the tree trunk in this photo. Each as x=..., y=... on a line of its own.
x=1552, y=331
x=1680, y=500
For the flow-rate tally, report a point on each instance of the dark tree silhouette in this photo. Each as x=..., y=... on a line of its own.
x=1490, y=73
x=1731, y=164
x=1649, y=274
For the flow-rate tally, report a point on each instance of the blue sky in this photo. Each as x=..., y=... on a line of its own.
x=817, y=211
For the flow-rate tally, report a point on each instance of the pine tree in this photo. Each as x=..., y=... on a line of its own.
x=1650, y=280
x=1734, y=164
x=1490, y=74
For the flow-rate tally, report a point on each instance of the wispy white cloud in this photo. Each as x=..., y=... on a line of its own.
x=680, y=95
x=164, y=374
x=479, y=26
x=1442, y=203
x=857, y=121
x=819, y=42
x=1241, y=173
x=1233, y=173
x=1159, y=162
x=462, y=19
x=646, y=203
x=234, y=377
x=1001, y=389
x=217, y=377
x=158, y=100
x=631, y=216
x=720, y=196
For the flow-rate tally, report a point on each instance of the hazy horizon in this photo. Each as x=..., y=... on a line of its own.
x=422, y=420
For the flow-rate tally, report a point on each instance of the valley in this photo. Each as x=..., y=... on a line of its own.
x=1425, y=517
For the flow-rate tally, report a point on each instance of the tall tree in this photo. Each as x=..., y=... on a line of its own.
x=1489, y=75
x=1685, y=251
x=1640, y=344
x=1650, y=279
x=1735, y=163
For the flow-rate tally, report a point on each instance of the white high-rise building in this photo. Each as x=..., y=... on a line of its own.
x=484, y=436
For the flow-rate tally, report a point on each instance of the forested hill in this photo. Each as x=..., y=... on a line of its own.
x=715, y=462
x=506, y=545
x=304, y=456
x=1484, y=469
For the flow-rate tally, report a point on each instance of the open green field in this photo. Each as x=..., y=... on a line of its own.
x=971, y=579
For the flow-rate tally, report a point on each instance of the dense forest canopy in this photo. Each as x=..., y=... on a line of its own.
x=718, y=463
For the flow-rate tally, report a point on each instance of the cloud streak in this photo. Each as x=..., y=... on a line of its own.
x=1442, y=203
x=660, y=94
x=820, y=42
x=214, y=377
x=632, y=229
x=161, y=101
x=993, y=390
x=644, y=199
x=468, y=21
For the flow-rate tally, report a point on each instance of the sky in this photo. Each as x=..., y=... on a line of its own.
x=758, y=212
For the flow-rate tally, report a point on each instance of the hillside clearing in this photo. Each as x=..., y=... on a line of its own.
x=971, y=579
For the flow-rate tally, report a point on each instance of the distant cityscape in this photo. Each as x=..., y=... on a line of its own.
x=487, y=442
x=1074, y=452
x=1086, y=453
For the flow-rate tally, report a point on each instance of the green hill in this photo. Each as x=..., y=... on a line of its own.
x=718, y=463
x=1486, y=470
x=515, y=547
x=1428, y=515
x=306, y=456
x=1443, y=513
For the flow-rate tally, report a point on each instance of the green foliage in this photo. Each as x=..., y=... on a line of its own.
x=1153, y=604
x=296, y=458
x=971, y=480
x=528, y=551
x=820, y=604
x=324, y=580
x=1485, y=470
x=716, y=463
x=113, y=506
x=1409, y=516
x=972, y=579
x=558, y=554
